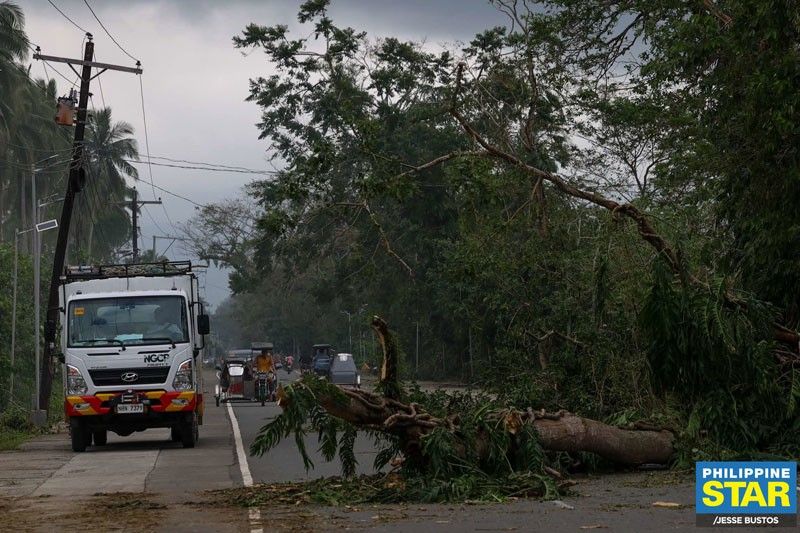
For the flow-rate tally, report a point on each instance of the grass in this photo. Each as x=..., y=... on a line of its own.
x=11, y=439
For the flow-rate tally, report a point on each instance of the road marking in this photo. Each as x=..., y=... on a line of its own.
x=253, y=513
x=247, y=478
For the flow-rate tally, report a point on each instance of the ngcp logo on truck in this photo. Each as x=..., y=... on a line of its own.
x=156, y=357
x=746, y=494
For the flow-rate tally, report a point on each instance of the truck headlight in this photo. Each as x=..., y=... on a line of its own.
x=183, y=377
x=76, y=385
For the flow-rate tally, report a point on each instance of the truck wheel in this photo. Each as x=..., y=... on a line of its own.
x=100, y=437
x=174, y=434
x=190, y=432
x=78, y=434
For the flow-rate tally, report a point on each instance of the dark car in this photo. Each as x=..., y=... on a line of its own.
x=343, y=370
x=323, y=356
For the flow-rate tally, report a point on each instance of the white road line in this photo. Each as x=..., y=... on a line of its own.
x=253, y=513
x=247, y=478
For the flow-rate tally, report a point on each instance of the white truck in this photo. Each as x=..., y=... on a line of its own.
x=131, y=336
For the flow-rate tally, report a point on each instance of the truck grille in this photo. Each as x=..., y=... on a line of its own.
x=144, y=376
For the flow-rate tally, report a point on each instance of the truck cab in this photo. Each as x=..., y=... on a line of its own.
x=132, y=339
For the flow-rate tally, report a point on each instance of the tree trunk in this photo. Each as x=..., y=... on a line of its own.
x=560, y=431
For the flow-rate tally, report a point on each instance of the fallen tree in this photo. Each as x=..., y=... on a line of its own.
x=451, y=435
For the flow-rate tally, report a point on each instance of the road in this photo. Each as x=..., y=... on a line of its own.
x=284, y=462
x=147, y=483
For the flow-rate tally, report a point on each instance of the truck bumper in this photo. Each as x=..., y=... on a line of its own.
x=156, y=403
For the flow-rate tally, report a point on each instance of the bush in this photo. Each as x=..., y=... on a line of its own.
x=16, y=419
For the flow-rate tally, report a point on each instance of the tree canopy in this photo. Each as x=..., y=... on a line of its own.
x=592, y=203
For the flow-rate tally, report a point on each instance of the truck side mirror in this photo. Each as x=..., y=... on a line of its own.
x=203, y=325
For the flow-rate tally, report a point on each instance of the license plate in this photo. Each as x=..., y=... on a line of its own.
x=130, y=408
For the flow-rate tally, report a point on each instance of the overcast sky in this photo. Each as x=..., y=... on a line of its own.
x=195, y=81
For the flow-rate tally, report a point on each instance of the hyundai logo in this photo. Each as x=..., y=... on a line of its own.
x=129, y=377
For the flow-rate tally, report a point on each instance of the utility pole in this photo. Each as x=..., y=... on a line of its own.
x=36, y=283
x=75, y=181
x=135, y=205
x=135, y=225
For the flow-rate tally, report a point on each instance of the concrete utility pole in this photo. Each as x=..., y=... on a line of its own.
x=75, y=182
x=135, y=205
x=36, y=283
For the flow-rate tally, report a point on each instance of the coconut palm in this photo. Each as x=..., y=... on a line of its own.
x=108, y=148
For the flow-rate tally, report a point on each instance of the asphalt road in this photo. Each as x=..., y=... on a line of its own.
x=284, y=463
x=144, y=482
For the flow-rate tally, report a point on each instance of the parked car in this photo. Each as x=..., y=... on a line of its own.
x=343, y=371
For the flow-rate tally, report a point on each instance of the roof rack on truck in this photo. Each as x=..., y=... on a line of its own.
x=166, y=268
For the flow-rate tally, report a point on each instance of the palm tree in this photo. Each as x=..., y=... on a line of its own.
x=27, y=131
x=13, y=49
x=108, y=148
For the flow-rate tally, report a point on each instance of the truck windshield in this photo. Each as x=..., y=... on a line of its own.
x=129, y=321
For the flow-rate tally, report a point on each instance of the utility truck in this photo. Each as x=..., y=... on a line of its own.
x=132, y=338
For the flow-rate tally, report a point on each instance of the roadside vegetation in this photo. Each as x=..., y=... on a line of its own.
x=588, y=209
x=15, y=428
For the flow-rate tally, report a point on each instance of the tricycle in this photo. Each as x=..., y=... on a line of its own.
x=234, y=382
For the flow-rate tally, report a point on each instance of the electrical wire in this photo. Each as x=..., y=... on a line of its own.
x=46, y=75
x=146, y=136
x=28, y=75
x=153, y=220
x=218, y=165
x=211, y=169
x=107, y=32
x=147, y=149
x=184, y=198
x=100, y=83
x=66, y=17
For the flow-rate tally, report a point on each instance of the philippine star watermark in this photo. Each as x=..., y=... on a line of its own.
x=746, y=494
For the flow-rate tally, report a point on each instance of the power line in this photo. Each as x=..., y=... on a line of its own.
x=176, y=195
x=153, y=220
x=211, y=169
x=66, y=17
x=219, y=165
x=100, y=84
x=27, y=74
x=107, y=32
x=146, y=136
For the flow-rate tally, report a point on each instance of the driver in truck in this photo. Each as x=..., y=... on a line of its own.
x=164, y=326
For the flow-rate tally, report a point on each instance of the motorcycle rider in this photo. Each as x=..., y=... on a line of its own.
x=289, y=363
x=264, y=363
